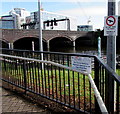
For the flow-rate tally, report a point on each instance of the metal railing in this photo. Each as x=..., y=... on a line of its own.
x=64, y=86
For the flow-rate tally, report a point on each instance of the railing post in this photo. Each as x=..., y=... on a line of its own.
x=24, y=73
x=96, y=79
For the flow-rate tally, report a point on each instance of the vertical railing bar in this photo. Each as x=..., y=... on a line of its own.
x=16, y=68
x=36, y=78
x=48, y=79
x=56, y=81
x=68, y=80
x=14, y=71
x=118, y=99
x=27, y=74
x=5, y=67
x=106, y=87
x=47, y=57
x=42, y=89
x=4, y=63
x=64, y=82
x=73, y=88
x=9, y=68
x=90, y=97
x=20, y=72
x=52, y=77
x=45, y=80
x=31, y=80
x=84, y=92
x=100, y=80
x=59, y=79
x=38, y=68
x=33, y=76
x=96, y=66
x=11, y=80
x=103, y=83
x=79, y=90
x=24, y=71
x=60, y=84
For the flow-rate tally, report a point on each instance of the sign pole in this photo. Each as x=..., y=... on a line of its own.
x=111, y=40
x=111, y=58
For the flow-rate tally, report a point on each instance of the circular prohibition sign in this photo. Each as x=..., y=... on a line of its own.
x=110, y=21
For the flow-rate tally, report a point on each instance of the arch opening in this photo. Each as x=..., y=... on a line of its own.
x=60, y=42
x=3, y=44
x=83, y=41
x=26, y=43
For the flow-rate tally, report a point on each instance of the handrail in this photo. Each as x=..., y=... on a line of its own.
x=97, y=94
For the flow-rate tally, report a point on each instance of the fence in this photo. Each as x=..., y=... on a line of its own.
x=64, y=86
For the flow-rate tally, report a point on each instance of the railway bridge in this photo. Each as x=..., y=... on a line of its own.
x=12, y=36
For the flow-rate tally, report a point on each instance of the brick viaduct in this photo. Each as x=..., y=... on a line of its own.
x=12, y=35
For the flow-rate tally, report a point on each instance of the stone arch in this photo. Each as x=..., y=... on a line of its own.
x=26, y=43
x=60, y=42
x=83, y=40
x=4, y=40
x=60, y=36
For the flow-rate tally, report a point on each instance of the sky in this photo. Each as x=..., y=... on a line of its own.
x=82, y=10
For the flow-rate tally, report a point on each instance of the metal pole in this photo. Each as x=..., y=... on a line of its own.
x=40, y=28
x=40, y=33
x=33, y=46
x=111, y=40
x=99, y=47
x=111, y=58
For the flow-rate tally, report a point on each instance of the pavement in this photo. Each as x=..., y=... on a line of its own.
x=14, y=104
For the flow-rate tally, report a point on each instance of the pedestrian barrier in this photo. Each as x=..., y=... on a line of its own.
x=55, y=79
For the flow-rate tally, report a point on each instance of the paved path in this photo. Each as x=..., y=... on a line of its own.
x=16, y=104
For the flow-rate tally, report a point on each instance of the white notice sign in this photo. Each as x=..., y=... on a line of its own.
x=83, y=64
x=111, y=26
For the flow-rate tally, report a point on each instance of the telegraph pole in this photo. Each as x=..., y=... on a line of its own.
x=111, y=58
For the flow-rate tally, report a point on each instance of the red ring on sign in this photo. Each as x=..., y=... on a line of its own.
x=113, y=22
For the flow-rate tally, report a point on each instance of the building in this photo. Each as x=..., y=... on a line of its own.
x=15, y=19
x=7, y=22
x=50, y=21
x=84, y=28
x=22, y=13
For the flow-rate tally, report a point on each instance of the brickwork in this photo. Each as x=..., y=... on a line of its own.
x=15, y=104
x=12, y=35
